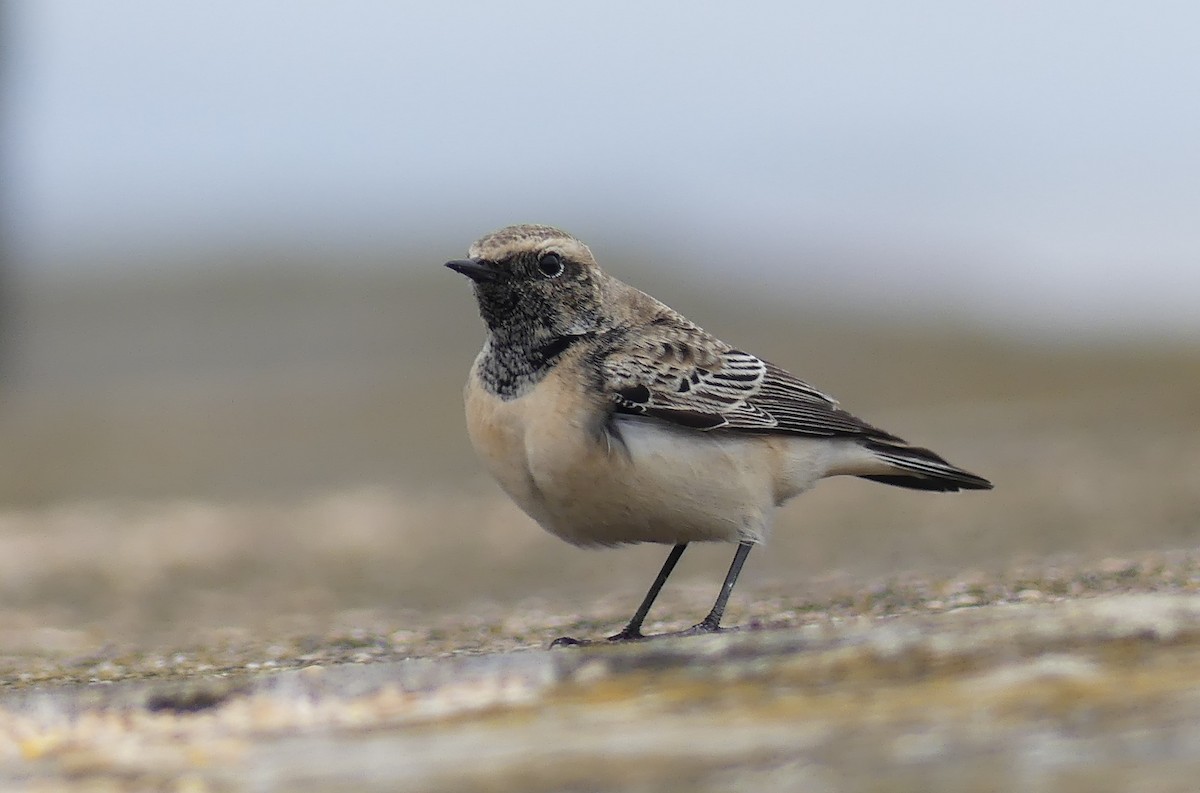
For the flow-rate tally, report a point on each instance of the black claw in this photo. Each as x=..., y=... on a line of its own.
x=567, y=641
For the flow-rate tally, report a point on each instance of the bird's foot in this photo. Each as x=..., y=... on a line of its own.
x=626, y=635
x=705, y=626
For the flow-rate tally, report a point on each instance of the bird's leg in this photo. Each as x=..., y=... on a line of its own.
x=712, y=623
x=634, y=629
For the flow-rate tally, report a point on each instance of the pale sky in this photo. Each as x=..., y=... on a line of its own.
x=1033, y=159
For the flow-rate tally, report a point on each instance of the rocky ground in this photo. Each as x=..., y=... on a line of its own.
x=982, y=688
x=1068, y=677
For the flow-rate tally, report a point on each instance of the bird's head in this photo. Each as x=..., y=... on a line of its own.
x=535, y=280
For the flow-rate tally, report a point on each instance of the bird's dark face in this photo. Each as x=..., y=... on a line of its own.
x=534, y=283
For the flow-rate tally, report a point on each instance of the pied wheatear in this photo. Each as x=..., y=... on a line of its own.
x=610, y=418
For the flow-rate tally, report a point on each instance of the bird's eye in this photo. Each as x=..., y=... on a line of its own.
x=550, y=264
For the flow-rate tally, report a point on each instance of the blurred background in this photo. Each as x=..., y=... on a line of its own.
x=231, y=361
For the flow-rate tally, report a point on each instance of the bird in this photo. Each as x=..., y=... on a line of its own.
x=609, y=418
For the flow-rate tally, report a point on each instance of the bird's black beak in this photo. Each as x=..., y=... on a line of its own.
x=475, y=270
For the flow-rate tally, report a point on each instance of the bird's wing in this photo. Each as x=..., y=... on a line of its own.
x=676, y=372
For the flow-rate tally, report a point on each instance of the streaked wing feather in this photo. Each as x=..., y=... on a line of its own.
x=681, y=374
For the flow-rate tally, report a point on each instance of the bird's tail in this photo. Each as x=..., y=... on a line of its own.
x=920, y=469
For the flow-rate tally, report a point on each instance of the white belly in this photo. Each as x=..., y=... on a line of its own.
x=670, y=485
x=647, y=481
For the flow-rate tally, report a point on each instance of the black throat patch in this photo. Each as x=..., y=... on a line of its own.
x=510, y=369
